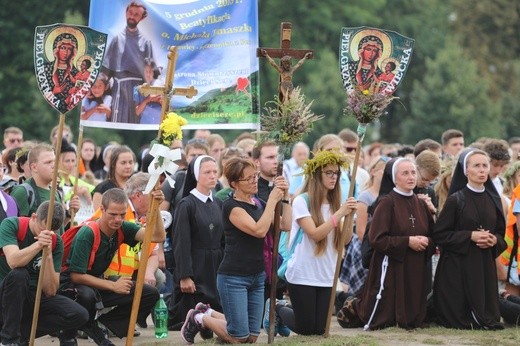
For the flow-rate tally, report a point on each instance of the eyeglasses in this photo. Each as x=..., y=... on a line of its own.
x=349, y=149
x=251, y=179
x=331, y=174
x=13, y=140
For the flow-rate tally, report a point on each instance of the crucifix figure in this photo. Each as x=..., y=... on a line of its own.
x=412, y=220
x=285, y=53
x=167, y=91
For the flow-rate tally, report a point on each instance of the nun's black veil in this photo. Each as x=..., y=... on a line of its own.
x=190, y=182
x=387, y=183
x=459, y=179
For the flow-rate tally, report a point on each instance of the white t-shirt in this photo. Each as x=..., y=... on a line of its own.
x=304, y=267
x=498, y=185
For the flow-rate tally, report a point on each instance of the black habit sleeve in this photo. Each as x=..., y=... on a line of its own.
x=182, y=239
x=445, y=233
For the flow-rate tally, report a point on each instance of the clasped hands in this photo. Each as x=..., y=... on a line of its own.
x=483, y=238
x=418, y=242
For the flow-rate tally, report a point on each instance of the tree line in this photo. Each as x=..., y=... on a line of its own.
x=464, y=72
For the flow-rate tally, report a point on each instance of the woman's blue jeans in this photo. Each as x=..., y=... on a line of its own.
x=242, y=299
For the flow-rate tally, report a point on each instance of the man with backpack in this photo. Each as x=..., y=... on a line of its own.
x=22, y=240
x=35, y=190
x=94, y=292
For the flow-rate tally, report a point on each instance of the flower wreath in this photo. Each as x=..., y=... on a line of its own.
x=324, y=158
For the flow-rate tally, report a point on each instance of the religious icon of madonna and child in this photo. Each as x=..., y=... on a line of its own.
x=373, y=59
x=66, y=63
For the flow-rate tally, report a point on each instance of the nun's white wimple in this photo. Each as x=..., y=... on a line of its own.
x=394, y=168
x=196, y=165
x=465, y=162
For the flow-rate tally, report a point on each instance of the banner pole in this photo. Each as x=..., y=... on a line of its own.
x=52, y=201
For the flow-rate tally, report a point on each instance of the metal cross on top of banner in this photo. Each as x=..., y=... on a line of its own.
x=166, y=92
x=285, y=53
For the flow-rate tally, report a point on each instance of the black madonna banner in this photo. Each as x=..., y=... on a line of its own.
x=67, y=60
x=373, y=59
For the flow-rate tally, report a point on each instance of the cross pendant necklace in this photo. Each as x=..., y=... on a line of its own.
x=412, y=219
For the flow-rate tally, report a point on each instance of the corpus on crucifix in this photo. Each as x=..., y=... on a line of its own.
x=285, y=53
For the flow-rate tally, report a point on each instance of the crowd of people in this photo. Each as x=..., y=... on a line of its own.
x=434, y=240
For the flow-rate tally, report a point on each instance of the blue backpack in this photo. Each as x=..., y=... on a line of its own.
x=285, y=252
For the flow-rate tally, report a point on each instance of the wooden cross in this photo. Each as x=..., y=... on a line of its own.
x=153, y=210
x=167, y=91
x=285, y=52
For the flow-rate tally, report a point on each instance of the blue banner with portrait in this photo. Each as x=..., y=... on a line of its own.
x=216, y=42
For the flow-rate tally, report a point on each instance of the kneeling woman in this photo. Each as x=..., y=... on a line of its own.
x=241, y=275
x=395, y=291
x=317, y=211
x=470, y=233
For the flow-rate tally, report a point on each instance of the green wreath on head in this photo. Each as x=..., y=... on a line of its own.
x=324, y=158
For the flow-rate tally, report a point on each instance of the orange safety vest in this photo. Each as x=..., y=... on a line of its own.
x=509, y=237
x=128, y=255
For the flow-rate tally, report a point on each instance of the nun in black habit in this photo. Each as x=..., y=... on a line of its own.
x=198, y=242
x=470, y=234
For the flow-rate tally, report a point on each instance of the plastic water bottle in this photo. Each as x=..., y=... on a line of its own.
x=161, y=319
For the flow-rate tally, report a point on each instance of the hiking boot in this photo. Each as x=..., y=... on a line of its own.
x=205, y=333
x=190, y=328
x=266, y=318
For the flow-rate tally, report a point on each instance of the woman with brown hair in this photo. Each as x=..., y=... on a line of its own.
x=316, y=235
x=443, y=184
x=121, y=168
x=241, y=275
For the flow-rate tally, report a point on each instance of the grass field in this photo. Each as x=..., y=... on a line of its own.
x=396, y=336
x=344, y=337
